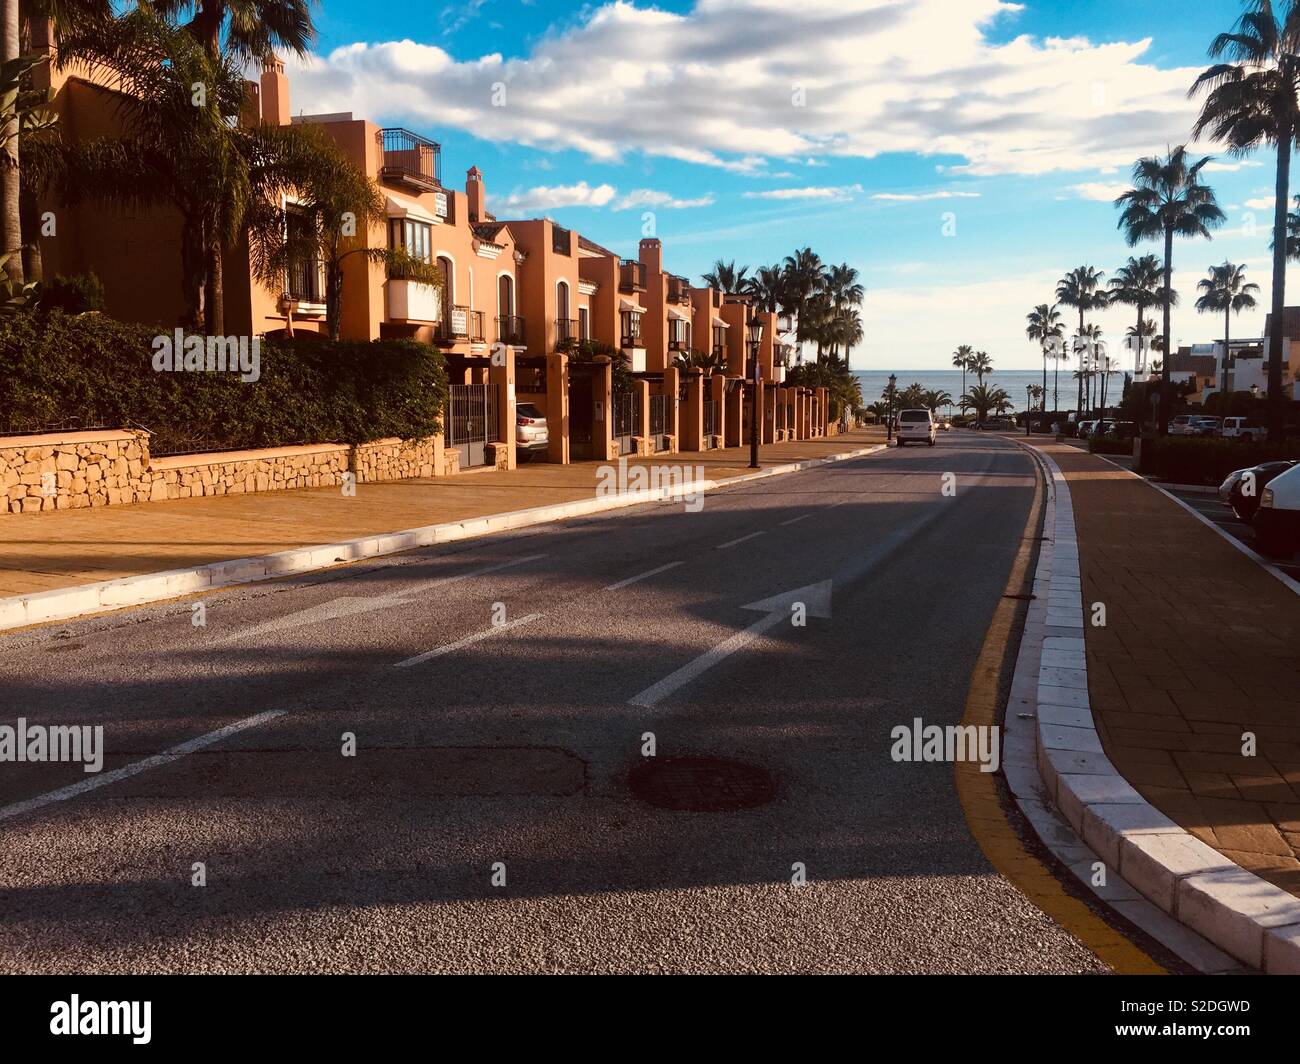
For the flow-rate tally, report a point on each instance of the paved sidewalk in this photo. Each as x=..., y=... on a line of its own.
x=67, y=548
x=1200, y=645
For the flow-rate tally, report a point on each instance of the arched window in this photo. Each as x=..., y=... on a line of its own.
x=447, y=274
x=563, y=326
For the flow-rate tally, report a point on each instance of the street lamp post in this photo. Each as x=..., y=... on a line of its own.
x=1029, y=405
x=755, y=382
x=889, y=410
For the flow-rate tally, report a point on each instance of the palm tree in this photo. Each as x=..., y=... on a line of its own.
x=805, y=276
x=961, y=359
x=880, y=410
x=1045, y=326
x=337, y=204
x=1144, y=338
x=726, y=277
x=695, y=359
x=766, y=288
x=253, y=28
x=1081, y=289
x=848, y=330
x=1226, y=290
x=11, y=226
x=1137, y=284
x=1092, y=342
x=982, y=400
x=933, y=398
x=1168, y=200
x=981, y=364
x=844, y=290
x=1254, y=99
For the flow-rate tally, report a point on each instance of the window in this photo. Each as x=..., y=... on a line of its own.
x=631, y=328
x=304, y=283
x=562, y=301
x=415, y=238
x=719, y=338
x=584, y=323
x=679, y=334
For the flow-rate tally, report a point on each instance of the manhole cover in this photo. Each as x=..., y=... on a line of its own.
x=701, y=784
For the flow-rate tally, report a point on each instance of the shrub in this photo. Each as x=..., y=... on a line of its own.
x=1110, y=446
x=74, y=295
x=1193, y=460
x=57, y=370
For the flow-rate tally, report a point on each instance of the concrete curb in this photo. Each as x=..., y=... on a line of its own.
x=1171, y=872
x=63, y=604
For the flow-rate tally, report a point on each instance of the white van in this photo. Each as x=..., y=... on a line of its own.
x=1244, y=428
x=917, y=425
x=1277, y=521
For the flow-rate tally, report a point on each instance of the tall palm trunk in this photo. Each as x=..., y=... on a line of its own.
x=214, y=293
x=1082, y=372
x=1227, y=348
x=1275, y=408
x=1140, y=339
x=1043, y=404
x=1167, y=356
x=11, y=227
x=29, y=210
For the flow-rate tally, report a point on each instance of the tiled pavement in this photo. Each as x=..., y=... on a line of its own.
x=66, y=548
x=1200, y=646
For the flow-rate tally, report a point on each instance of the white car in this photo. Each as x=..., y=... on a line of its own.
x=1243, y=428
x=532, y=437
x=1181, y=425
x=918, y=426
x=1202, y=426
x=1277, y=521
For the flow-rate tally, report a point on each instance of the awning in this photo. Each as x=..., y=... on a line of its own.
x=631, y=305
x=673, y=312
x=718, y=323
x=400, y=207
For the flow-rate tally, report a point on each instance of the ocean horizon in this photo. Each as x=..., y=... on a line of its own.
x=1013, y=382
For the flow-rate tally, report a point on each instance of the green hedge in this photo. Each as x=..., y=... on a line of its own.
x=1193, y=460
x=1109, y=446
x=64, y=371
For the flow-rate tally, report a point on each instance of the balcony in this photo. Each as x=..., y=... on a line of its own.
x=412, y=161
x=412, y=301
x=679, y=290
x=631, y=276
x=678, y=344
x=305, y=282
x=561, y=240
x=510, y=330
x=565, y=329
x=460, y=324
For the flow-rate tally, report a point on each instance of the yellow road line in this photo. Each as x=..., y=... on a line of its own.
x=979, y=793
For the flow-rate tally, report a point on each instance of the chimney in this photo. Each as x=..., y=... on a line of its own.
x=652, y=255
x=275, y=94
x=476, y=193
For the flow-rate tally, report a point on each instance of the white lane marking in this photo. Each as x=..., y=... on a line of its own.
x=175, y=753
x=796, y=520
x=742, y=539
x=653, y=694
x=351, y=604
x=469, y=640
x=643, y=576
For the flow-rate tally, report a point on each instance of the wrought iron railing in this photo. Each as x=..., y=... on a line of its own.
x=411, y=159
x=510, y=329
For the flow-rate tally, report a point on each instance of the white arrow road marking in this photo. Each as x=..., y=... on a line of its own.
x=447, y=648
x=643, y=576
x=777, y=609
x=175, y=753
x=742, y=539
x=351, y=604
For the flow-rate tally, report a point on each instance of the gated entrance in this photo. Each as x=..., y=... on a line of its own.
x=659, y=420
x=627, y=420
x=473, y=421
x=581, y=414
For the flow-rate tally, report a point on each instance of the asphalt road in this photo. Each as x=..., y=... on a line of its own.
x=482, y=744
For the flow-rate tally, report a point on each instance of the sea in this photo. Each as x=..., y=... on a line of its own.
x=1013, y=382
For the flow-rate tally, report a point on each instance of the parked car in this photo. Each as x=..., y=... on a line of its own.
x=1121, y=430
x=918, y=426
x=1233, y=490
x=1087, y=428
x=1179, y=426
x=532, y=437
x=1243, y=428
x=1277, y=521
x=1204, y=426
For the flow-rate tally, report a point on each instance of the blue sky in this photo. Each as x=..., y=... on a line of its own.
x=961, y=154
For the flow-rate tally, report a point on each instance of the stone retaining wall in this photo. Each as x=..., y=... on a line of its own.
x=109, y=468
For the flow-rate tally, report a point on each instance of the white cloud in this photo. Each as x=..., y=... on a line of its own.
x=713, y=86
x=649, y=197
x=1098, y=191
x=823, y=193
x=549, y=197
x=921, y=197
x=1261, y=203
